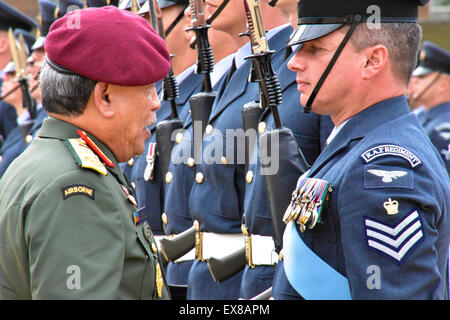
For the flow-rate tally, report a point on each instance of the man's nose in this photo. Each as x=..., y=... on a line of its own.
x=297, y=63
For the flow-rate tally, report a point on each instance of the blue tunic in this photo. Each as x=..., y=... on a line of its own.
x=380, y=157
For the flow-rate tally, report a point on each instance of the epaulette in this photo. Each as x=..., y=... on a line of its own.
x=85, y=157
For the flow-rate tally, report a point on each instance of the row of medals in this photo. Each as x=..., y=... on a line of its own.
x=305, y=207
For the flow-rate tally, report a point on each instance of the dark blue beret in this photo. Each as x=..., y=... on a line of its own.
x=432, y=58
x=13, y=18
x=64, y=6
x=102, y=3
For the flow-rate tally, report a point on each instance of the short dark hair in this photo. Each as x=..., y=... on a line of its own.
x=64, y=93
x=401, y=39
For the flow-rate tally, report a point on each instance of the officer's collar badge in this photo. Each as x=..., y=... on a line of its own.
x=308, y=200
x=87, y=154
x=95, y=148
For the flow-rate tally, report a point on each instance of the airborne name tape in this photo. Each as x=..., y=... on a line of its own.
x=391, y=150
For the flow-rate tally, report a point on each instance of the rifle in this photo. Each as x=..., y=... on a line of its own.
x=265, y=295
x=165, y=128
x=270, y=96
x=292, y=163
x=177, y=246
x=200, y=105
x=18, y=53
x=228, y=266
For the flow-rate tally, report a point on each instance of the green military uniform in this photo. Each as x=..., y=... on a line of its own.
x=68, y=228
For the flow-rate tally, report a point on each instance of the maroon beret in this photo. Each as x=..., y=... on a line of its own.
x=108, y=45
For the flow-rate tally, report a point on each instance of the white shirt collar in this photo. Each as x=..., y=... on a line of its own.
x=220, y=68
x=186, y=72
x=335, y=131
x=25, y=115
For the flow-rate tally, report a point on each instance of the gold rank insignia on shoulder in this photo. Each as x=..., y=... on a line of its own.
x=308, y=200
x=85, y=157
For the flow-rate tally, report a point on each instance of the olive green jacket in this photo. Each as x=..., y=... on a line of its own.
x=68, y=231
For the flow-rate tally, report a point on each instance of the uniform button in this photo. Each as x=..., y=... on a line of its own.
x=154, y=248
x=169, y=177
x=133, y=185
x=208, y=129
x=224, y=160
x=147, y=257
x=131, y=162
x=164, y=218
x=199, y=177
x=262, y=127
x=190, y=162
x=29, y=138
x=179, y=137
x=147, y=231
x=196, y=225
x=249, y=176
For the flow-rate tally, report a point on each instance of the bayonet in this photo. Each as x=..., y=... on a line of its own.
x=255, y=26
x=134, y=6
x=20, y=71
x=197, y=13
x=19, y=55
x=262, y=64
x=205, y=58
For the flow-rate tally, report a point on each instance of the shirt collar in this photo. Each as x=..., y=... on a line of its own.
x=220, y=68
x=24, y=116
x=335, y=131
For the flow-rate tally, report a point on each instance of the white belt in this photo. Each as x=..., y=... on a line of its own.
x=220, y=245
x=261, y=251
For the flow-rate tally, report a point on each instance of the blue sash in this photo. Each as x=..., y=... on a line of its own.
x=308, y=274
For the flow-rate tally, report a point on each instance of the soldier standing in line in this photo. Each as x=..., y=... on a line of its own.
x=181, y=170
x=431, y=88
x=145, y=172
x=9, y=18
x=216, y=199
x=370, y=220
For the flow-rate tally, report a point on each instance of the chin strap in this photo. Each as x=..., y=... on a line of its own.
x=174, y=23
x=217, y=12
x=354, y=20
x=436, y=78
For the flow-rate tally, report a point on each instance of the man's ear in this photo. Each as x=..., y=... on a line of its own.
x=376, y=58
x=101, y=99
